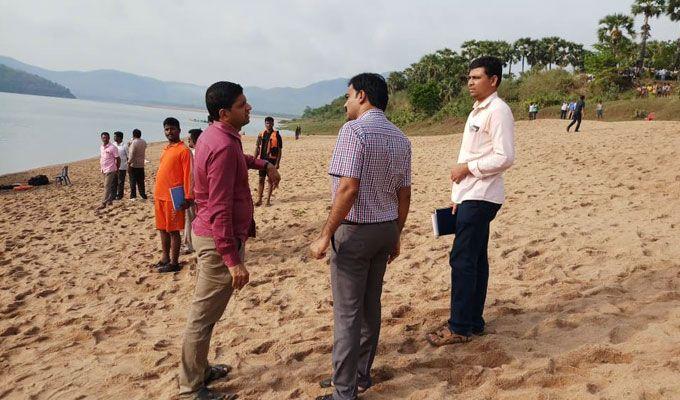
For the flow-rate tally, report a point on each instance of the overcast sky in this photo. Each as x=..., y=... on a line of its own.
x=279, y=43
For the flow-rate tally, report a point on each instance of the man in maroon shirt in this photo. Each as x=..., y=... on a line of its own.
x=223, y=223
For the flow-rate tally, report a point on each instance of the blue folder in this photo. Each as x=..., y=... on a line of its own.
x=177, y=196
x=443, y=222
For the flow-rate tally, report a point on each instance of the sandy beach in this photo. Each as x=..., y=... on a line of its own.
x=584, y=296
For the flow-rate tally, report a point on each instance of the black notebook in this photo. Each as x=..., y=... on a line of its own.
x=443, y=222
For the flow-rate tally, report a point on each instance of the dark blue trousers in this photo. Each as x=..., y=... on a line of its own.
x=470, y=265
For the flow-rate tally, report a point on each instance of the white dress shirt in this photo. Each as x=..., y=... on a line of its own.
x=488, y=148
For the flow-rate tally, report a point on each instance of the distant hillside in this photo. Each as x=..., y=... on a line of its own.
x=123, y=87
x=15, y=81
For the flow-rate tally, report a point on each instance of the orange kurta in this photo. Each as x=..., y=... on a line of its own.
x=173, y=170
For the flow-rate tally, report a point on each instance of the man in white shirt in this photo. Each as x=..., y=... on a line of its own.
x=487, y=150
x=563, y=110
x=122, y=169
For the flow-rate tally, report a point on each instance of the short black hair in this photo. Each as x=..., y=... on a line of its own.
x=136, y=133
x=171, y=121
x=583, y=97
x=221, y=95
x=118, y=133
x=210, y=119
x=267, y=119
x=492, y=66
x=374, y=86
x=194, y=134
x=105, y=134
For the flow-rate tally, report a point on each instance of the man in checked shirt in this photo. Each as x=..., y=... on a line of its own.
x=371, y=189
x=487, y=150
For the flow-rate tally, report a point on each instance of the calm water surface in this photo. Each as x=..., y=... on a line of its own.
x=36, y=131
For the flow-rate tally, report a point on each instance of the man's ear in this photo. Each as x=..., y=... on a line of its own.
x=361, y=96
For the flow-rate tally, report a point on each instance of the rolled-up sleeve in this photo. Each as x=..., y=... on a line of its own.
x=502, y=156
x=255, y=163
x=221, y=174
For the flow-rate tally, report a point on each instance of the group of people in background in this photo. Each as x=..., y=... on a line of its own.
x=658, y=89
x=118, y=161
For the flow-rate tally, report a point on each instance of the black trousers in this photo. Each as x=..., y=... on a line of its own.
x=137, y=182
x=563, y=114
x=120, y=187
x=470, y=266
x=576, y=119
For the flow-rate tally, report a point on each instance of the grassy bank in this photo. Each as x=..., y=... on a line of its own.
x=666, y=109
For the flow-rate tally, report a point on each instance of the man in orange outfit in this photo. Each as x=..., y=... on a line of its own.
x=174, y=170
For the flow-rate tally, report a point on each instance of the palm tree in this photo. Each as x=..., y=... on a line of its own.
x=614, y=27
x=617, y=32
x=649, y=9
x=523, y=48
x=673, y=12
x=552, y=46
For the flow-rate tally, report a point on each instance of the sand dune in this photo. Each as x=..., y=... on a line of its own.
x=584, y=298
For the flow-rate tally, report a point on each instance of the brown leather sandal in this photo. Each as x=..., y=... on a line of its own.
x=444, y=336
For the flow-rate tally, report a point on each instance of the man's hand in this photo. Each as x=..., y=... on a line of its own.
x=273, y=175
x=459, y=171
x=187, y=203
x=239, y=276
x=454, y=208
x=319, y=246
x=395, y=252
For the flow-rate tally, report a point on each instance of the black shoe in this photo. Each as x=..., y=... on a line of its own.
x=217, y=371
x=325, y=397
x=206, y=394
x=170, y=268
x=328, y=383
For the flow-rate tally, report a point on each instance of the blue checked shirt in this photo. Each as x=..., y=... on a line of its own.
x=377, y=153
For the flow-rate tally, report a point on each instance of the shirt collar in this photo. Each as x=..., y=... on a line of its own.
x=370, y=111
x=227, y=128
x=173, y=144
x=486, y=101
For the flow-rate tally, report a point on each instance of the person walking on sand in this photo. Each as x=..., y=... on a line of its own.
x=122, y=169
x=477, y=193
x=109, y=163
x=269, y=147
x=224, y=221
x=136, y=160
x=191, y=211
x=174, y=170
x=371, y=190
x=578, y=113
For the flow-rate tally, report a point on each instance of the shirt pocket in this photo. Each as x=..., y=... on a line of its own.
x=479, y=130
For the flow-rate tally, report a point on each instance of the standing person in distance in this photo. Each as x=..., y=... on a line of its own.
x=122, y=169
x=269, y=147
x=109, y=163
x=174, y=170
x=136, y=160
x=486, y=151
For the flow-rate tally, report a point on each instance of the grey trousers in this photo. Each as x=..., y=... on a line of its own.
x=358, y=260
x=110, y=186
x=211, y=296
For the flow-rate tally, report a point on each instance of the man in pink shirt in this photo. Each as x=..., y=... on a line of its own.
x=487, y=150
x=109, y=163
x=223, y=223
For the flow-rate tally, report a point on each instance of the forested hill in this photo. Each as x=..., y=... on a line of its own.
x=14, y=81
